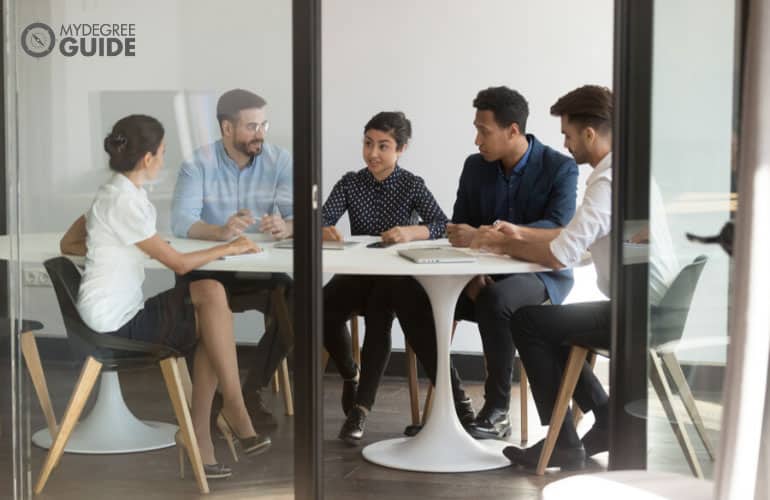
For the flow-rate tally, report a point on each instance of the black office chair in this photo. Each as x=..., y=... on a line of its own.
x=104, y=351
x=667, y=321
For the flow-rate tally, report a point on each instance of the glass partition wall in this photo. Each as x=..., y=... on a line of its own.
x=73, y=69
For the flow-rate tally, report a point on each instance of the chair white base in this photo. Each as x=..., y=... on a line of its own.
x=111, y=428
x=630, y=485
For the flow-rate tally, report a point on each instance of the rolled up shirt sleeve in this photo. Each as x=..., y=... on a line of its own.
x=187, y=203
x=591, y=222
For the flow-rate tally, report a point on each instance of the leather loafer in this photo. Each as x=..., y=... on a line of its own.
x=564, y=458
x=491, y=423
x=353, y=429
x=596, y=440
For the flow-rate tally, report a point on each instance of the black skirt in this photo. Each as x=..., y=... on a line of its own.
x=167, y=319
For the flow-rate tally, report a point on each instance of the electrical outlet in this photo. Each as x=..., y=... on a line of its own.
x=36, y=277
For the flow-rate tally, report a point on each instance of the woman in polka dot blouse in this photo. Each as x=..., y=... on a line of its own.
x=382, y=200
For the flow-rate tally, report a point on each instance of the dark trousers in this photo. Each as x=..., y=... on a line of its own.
x=493, y=310
x=408, y=300
x=251, y=291
x=343, y=296
x=544, y=334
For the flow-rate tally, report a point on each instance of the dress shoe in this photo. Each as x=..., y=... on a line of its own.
x=353, y=429
x=596, y=440
x=562, y=457
x=250, y=445
x=349, y=391
x=490, y=423
x=261, y=417
x=465, y=413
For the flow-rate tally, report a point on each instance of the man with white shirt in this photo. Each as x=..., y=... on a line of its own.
x=540, y=332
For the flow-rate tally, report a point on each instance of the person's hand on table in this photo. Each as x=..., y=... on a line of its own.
x=236, y=224
x=330, y=233
x=241, y=245
x=397, y=234
x=473, y=289
x=506, y=228
x=275, y=226
x=460, y=235
x=489, y=239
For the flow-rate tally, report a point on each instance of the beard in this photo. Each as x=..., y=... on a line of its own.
x=249, y=148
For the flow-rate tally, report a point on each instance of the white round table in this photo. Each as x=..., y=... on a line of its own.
x=442, y=445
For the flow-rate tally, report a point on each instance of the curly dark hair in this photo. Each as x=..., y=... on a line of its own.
x=507, y=105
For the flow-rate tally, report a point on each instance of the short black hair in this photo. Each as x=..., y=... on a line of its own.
x=131, y=138
x=233, y=101
x=507, y=105
x=587, y=106
x=394, y=123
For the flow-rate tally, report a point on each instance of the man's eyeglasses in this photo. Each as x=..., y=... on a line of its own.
x=256, y=127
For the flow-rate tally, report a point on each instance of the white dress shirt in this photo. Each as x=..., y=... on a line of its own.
x=111, y=289
x=590, y=230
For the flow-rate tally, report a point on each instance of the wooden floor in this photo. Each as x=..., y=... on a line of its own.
x=154, y=475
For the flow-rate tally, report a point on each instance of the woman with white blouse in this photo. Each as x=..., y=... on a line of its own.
x=117, y=235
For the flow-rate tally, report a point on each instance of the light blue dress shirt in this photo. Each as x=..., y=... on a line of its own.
x=210, y=187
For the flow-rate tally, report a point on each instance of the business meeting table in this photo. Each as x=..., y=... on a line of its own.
x=442, y=445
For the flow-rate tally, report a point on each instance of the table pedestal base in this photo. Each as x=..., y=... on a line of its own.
x=111, y=428
x=407, y=454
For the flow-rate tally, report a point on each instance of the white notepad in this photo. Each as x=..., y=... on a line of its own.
x=246, y=256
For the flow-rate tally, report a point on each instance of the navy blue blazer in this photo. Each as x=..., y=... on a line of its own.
x=546, y=197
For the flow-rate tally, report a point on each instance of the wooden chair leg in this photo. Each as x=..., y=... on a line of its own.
x=171, y=375
x=276, y=382
x=577, y=357
x=288, y=397
x=355, y=340
x=36, y=373
x=523, y=402
x=577, y=413
x=671, y=364
x=414, y=388
x=184, y=377
x=88, y=375
x=660, y=384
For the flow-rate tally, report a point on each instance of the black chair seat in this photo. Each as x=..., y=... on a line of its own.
x=115, y=353
x=27, y=325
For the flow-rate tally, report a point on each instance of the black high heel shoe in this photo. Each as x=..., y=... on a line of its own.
x=212, y=471
x=252, y=445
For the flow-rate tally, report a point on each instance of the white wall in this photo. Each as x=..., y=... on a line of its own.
x=66, y=105
x=430, y=58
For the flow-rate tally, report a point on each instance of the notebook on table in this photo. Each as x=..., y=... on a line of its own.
x=436, y=255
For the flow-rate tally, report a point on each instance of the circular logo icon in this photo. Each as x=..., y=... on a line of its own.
x=38, y=39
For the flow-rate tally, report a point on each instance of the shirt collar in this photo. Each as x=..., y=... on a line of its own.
x=518, y=169
x=601, y=169
x=124, y=184
x=389, y=181
x=225, y=158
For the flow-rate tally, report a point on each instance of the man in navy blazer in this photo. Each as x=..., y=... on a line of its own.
x=518, y=179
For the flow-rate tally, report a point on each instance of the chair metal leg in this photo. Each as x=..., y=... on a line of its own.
x=173, y=379
x=577, y=357
x=88, y=375
x=288, y=397
x=660, y=384
x=671, y=364
x=414, y=388
x=36, y=373
x=523, y=403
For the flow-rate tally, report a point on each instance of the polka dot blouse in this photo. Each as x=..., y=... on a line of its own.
x=375, y=207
